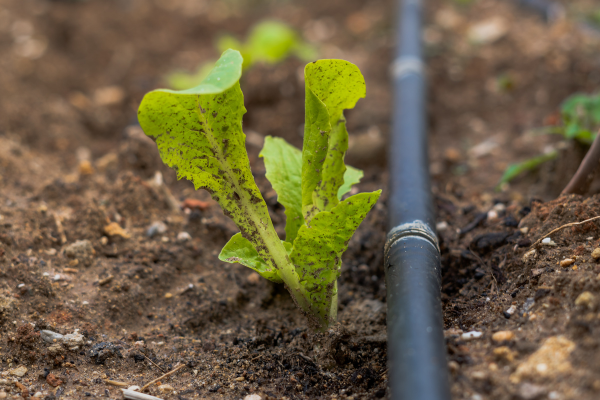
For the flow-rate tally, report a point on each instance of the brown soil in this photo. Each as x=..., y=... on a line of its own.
x=74, y=165
x=73, y=162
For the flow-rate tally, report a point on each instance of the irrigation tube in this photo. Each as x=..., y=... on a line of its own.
x=416, y=348
x=549, y=10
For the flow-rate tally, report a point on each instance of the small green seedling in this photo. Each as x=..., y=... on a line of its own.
x=199, y=134
x=268, y=42
x=594, y=18
x=580, y=118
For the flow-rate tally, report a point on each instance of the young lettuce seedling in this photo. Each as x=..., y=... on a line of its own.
x=199, y=133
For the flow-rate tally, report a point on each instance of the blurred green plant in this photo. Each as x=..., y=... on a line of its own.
x=594, y=18
x=268, y=42
x=463, y=2
x=580, y=119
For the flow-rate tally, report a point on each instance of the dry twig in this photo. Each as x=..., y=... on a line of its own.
x=580, y=182
x=162, y=377
x=537, y=242
x=115, y=383
x=59, y=228
x=152, y=362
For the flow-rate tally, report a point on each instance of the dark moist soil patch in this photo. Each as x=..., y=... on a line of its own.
x=524, y=302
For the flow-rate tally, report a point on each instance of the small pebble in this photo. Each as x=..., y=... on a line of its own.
x=50, y=336
x=157, y=227
x=114, y=229
x=529, y=255
x=585, y=300
x=499, y=207
x=471, y=335
x=103, y=240
x=183, y=237
x=548, y=242
x=524, y=230
x=441, y=226
x=596, y=253
x=253, y=278
x=19, y=371
x=550, y=360
x=38, y=394
x=166, y=388
x=168, y=295
x=85, y=167
x=503, y=336
x=511, y=310
x=492, y=215
x=529, y=391
x=453, y=366
x=80, y=249
x=252, y=397
x=135, y=388
x=239, y=379
x=3, y=395
x=503, y=353
x=566, y=262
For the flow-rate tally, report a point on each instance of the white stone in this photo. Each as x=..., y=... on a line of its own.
x=50, y=337
x=548, y=242
x=183, y=237
x=19, y=371
x=471, y=335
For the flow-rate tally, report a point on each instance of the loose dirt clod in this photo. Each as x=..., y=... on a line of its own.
x=586, y=300
x=20, y=371
x=566, y=262
x=504, y=353
x=53, y=380
x=503, y=336
x=550, y=360
x=114, y=229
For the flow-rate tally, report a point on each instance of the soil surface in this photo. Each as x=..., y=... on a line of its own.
x=99, y=240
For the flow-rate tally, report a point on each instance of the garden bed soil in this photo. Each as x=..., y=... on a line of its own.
x=81, y=187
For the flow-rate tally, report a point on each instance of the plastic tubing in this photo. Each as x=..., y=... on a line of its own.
x=416, y=348
x=549, y=10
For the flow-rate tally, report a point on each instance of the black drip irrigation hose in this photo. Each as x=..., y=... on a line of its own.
x=552, y=11
x=416, y=348
x=548, y=10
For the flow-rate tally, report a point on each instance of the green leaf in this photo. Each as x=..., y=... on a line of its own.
x=318, y=248
x=240, y=250
x=199, y=134
x=331, y=87
x=270, y=42
x=351, y=178
x=515, y=170
x=284, y=170
x=182, y=80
